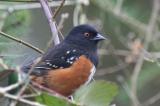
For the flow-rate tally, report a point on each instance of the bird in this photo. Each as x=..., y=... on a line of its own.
x=70, y=64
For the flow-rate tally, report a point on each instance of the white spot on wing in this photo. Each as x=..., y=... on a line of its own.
x=54, y=66
x=48, y=63
x=72, y=58
x=68, y=52
x=71, y=62
x=74, y=50
x=42, y=68
x=62, y=57
x=67, y=61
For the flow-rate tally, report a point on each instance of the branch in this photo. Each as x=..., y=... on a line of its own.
x=118, y=6
x=125, y=87
x=122, y=16
x=27, y=81
x=58, y=9
x=4, y=90
x=52, y=23
x=23, y=6
x=61, y=20
x=148, y=37
x=112, y=69
x=21, y=41
x=116, y=52
x=64, y=16
x=152, y=100
x=21, y=99
x=76, y=13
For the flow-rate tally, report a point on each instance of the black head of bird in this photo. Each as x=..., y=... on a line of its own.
x=84, y=35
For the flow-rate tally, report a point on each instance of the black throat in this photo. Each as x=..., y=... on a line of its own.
x=90, y=51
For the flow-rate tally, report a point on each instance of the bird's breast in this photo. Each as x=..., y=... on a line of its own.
x=66, y=81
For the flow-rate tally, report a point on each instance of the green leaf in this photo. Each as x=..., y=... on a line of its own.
x=50, y=100
x=17, y=23
x=98, y=93
x=12, y=79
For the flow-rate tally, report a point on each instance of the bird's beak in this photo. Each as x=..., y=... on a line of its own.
x=99, y=37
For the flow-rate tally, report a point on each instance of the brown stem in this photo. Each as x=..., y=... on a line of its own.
x=58, y=9
x=21, y=41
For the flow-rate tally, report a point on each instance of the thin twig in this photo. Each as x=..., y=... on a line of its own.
x=3, y=65
x=27, y=80
x=61, y=35
x=76, y=13
x=10, y=87
x=21, y=41
x=118, y=6
x=152, y=100
x=58, y=9
x=126, y=87
x=14, y=103
x=116, y=52
x=21, y=99
x=119, y=60
x=112, y=69
x=31, y=95
x=64, y=16
x=56, y=13
x=122, y=16
x=59, y=27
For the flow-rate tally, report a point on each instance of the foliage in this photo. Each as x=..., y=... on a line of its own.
x=49, y=100
x=97, y=93
x=17, y=23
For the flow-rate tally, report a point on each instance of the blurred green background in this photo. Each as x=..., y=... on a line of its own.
x=128, y=23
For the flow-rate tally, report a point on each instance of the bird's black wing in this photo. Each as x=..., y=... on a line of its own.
x=61, y=56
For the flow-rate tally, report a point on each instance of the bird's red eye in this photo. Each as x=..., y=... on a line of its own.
x=86, y=34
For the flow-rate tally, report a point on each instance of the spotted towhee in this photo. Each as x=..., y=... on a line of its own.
x=70, y=64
